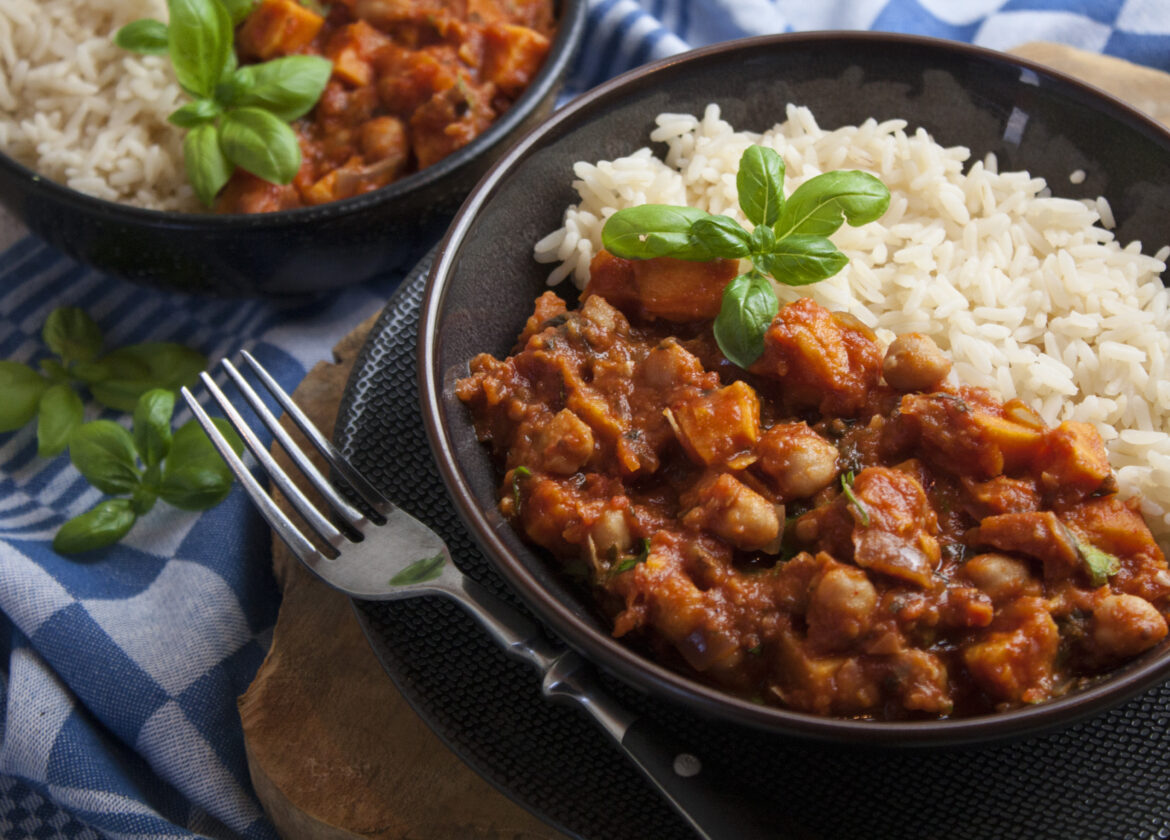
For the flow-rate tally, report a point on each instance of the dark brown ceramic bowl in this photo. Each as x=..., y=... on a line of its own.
x=485, y=279
x=291, y=252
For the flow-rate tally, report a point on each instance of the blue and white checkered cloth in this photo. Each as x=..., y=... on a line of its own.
x=118, y=689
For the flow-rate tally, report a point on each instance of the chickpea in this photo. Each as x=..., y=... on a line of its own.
x=1126, y=625
x=733, y=511
x=998, y=576
x=914, y=363
x=610, y=531
x=799, y=461
x=841, y=608
x=669, y=364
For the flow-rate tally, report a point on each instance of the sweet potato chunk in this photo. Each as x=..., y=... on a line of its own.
x=719, y=427
x=276, y=28
x=1073, y=459
x=680, y=291
x=1016, y=661
x=895, y=530
x=821, y=359
x=512, y=56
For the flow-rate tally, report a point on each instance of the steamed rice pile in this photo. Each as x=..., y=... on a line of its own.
x=1031, y=295
x=85, y=113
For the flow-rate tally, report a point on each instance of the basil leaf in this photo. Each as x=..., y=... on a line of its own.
x=72, y=335
x=420, y=571
x=152, y=425
x=208, y=169
x=722, y=236
x=54, y=370
x=104, y=524
x=60, y=413
x=135, y=369
x=103, y=452
x=760, y=184
x=261, y=143
x=234, y=85
x=801, y=260
x=195, y=477
x=200, y=40
x=847, y=489
x=749, y=305
x=654, y=230
x=1101, y=565
x=820, y=205
x=143, y=499
x=88, y=372
x=239, y=9
x=287, y=87
x=195, y=113
x=22, y=388
x=762, y=240
x=146, y=37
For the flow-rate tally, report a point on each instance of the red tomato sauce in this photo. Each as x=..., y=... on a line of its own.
x=841, y=529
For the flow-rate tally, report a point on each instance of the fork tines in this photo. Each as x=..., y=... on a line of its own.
x=354, y=519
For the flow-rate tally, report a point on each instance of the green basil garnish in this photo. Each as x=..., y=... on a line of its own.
x=749, y=305
x=195, y=477
x=1101, y=565
x=152, y=425
x=103, y=525
x=847, y=489
x=103, y=452
x=146, y=36
x=286, y=87
x=72, y=335
x=259, y=142
x=199, y=37
x=208, y=168
x=59, y=413
x=788, y=241
x=240, y=115
x=420, y=571
x=22, y=388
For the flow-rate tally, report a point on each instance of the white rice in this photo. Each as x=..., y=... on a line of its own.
x=1031, y=295
x=85, y=113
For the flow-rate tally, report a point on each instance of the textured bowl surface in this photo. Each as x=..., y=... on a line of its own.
x=291, y=252
x=485, y=279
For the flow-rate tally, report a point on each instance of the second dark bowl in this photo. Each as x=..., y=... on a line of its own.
x=291, y=252
x=485, y=279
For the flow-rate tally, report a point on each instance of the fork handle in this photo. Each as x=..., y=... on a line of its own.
x=679, y=774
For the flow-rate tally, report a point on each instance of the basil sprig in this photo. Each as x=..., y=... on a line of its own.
x=789, y=240
x=116, y=379
x=239, y=115
x=182, y=468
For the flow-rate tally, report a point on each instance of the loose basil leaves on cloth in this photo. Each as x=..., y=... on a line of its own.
x=240, y=115
x=182, y=468
x=789, y=240
x=116, y=379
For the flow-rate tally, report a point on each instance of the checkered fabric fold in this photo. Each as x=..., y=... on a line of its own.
x=118, y=692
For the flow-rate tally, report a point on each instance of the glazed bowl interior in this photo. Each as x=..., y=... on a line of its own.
x=289, y=252
x=485, y=279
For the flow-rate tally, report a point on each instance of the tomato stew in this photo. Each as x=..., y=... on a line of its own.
x=840, y=530
x=413, y=81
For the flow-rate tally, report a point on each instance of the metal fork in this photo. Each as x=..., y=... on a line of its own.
x=389, y=555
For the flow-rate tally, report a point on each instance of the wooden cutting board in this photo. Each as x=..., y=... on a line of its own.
x=334, y=751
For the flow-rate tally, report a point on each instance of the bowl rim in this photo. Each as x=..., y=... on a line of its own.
x=640, y=671
x=569, y=34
